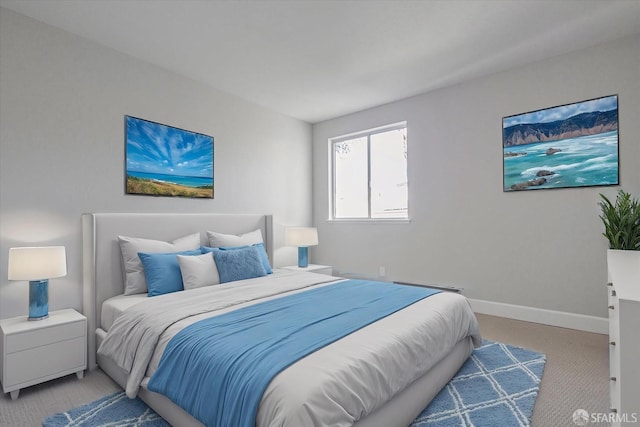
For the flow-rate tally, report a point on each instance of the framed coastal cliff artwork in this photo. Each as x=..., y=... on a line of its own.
x=572, y=145
x=167, y=161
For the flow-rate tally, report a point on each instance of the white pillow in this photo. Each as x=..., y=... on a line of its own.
x=198, y=270
x=217, y=240
x=134, y=281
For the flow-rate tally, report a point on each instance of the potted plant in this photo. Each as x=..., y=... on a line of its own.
x=622, y=229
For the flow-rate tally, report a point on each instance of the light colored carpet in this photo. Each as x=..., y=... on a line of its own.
x=575, y=377
x=38, y=402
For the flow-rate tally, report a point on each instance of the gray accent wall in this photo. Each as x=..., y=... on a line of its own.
x=541, y=248
x=62, y=105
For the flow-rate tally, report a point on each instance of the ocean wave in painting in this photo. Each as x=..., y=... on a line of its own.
x=573, y=162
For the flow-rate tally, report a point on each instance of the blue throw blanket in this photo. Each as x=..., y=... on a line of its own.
x=218, y=368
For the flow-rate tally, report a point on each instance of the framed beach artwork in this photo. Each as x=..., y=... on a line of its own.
x=572, y=145
x=163, y=160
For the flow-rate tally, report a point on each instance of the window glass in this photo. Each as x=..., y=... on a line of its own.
x=369, y=174
x=389, y=195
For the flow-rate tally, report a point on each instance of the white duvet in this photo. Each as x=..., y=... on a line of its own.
x=334, y=386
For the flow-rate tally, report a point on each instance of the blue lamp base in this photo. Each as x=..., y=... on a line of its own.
x=303, y=256
x=38, y=299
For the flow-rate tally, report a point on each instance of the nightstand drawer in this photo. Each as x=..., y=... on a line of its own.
x=44, y=336
x=45, y=361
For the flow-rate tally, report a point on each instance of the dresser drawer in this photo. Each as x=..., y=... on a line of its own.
x=45, y=361
x=44, y=336
x=614, y=394
x=614, y=326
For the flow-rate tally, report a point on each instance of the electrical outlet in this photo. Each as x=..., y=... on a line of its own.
x=382, y=272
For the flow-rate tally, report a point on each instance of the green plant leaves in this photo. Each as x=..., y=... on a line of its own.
x=621, y=221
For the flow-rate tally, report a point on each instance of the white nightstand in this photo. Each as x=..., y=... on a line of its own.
x=313, y=268
x=33, y=352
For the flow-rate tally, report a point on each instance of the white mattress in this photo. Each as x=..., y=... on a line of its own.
x=114, y=306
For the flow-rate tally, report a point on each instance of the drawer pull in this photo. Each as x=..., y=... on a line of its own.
x=612, y=343
x=614, y=410
x=613, y=293
x=612, y=378
x=611, y=307
x=609, y=284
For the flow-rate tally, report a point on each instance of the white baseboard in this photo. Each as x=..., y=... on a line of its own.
x=562, y=319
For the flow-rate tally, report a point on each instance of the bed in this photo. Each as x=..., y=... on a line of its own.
x=412, y=378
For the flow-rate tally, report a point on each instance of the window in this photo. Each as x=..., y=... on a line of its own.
x=369, y=174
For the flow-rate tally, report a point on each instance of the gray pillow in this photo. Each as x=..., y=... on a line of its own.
x=217, y=240
x=198, y=271
x=134, y=281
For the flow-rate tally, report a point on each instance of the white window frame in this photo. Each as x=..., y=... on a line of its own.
x=332, y=181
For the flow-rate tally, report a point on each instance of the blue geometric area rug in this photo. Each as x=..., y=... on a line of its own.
x=496, y=386
x=115, y=410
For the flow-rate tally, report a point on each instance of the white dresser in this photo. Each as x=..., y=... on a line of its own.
x=624, y=354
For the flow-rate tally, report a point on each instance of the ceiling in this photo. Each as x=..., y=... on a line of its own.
x=316, y=60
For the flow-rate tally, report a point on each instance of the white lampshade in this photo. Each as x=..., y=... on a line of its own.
x=301, y=236
x=37, y=263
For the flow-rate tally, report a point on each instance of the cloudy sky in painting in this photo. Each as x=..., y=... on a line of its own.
x=563, y=112
x=156, y=148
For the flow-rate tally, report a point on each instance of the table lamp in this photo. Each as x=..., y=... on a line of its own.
x=302, y=237
x=37, y=265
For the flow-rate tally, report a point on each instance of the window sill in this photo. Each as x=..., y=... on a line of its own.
x=370, y=221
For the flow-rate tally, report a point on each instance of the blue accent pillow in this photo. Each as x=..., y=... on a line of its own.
x=162, y=271
x=264, y=259
x=239, y=264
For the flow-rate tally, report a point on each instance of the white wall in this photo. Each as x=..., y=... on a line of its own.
x=539, y=248
x=62, y=106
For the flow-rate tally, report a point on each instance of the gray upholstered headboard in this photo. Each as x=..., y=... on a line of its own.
x=102, y=262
